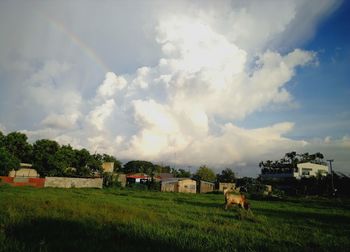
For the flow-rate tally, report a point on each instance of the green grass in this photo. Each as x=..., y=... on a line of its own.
x=129, y=220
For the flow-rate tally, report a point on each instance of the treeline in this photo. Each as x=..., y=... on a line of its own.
x=49, y=158
x=52, y=159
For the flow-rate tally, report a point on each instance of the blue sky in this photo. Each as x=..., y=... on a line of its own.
x=224, y=83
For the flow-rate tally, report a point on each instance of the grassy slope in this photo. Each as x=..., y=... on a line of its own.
x=91, y=220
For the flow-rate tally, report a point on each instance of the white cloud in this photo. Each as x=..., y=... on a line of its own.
x=212, y=65
x=111, y=85
x=63, y=121
x=98, y=115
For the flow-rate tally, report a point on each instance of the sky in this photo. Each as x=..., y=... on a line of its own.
x=180, y=83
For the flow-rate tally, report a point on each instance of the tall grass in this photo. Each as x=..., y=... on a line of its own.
x=130, y=220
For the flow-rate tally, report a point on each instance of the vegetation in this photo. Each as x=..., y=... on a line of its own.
x=289, y=162
x=131, y=220
x=49, y=158
x=227, y=176
x=205, y=173
x=181, y=173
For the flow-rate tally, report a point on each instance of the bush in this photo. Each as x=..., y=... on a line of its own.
x=110, y=180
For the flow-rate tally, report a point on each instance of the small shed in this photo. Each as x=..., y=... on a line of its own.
x=205, y=186
x=223, y=186
x=183, y=185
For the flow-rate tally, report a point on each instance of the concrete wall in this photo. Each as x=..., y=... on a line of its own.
x=23, y=181
x=73, y=182
x=170, y=187
x=188, y=186
x=122, y=179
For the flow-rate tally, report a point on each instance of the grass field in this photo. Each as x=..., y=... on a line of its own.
x=129, y=220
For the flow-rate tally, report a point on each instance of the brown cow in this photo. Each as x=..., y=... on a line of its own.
x=235, y=199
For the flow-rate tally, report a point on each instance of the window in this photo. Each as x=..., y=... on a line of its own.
x=305, y=171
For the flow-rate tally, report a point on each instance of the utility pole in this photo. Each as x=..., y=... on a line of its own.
x=330, y=166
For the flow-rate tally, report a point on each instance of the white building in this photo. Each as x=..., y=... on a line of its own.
x=303, y=170
x=310, y=170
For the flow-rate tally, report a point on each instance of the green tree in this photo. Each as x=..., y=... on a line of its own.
x=183, y=174
x=44, y=158
x=95, y=164
x=2, y=138
x=139, y=166
x=7, y=162
x=162, y=169
x=65, y=158
x=205, y=173
x=227, y=176
x=81, y=162
x=17, y=145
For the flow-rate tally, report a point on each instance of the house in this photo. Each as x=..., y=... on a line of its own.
x=25, y=171
x=310, y=170
x=223, y=186
x=183, y=185
x=205, y=186
x=142, y=178
x=303, y=170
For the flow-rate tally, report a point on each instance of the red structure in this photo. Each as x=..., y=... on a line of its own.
x=23, y=181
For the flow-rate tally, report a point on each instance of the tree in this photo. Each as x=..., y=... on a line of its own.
x=17, y=145
x=162, y=169
x=65, y=158
x=2, y=138
x=226, y=176
x=139, y=166
x=205, y=173
x=95, y=164
x=44, y=159
x=81, y=161
x=7, y=162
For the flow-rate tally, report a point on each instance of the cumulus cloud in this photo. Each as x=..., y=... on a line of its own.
x=98, y=115
x=217, y=64
x=111, y=85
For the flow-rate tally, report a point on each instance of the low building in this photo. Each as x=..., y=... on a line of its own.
x=182, y=185
x=142, y=178
x=25, y=171
x=205, y=186
x=303, y=170
x=223, y=186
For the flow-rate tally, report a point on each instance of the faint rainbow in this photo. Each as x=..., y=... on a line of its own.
x=76, y=40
